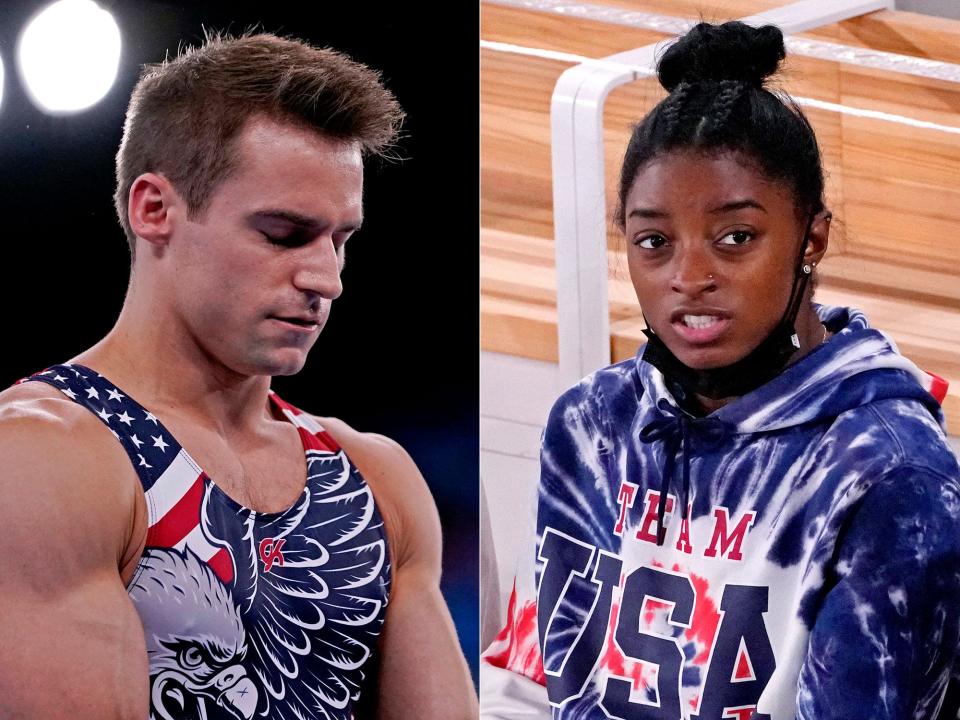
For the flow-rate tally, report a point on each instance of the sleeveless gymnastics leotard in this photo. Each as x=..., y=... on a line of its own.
x=248, y=614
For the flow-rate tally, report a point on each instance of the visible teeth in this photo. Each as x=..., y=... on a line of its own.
x=699, y=322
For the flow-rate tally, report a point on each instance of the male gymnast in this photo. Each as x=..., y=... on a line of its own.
x=179, y=541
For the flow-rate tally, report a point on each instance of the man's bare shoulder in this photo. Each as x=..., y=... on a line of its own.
x=372, y=447
x=402, y=494
x=59, y=461
x=37, y=416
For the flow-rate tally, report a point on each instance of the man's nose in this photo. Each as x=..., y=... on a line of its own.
x=693, y=271
x=318, y=271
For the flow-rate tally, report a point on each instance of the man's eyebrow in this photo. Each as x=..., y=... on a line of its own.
x=737, y=205
x=304, y=221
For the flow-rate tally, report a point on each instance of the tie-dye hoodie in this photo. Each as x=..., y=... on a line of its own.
x=810, y=566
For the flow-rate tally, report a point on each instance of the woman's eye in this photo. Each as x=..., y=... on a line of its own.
x=651, y=242
x=737, y=237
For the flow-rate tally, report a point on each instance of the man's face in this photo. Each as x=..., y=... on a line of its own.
x=255, y=276
x=711, y=245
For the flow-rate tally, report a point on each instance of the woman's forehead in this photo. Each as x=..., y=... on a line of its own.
x=703, y=182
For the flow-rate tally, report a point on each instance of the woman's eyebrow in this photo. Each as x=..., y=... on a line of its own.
x=648, y=213
x=736, y=205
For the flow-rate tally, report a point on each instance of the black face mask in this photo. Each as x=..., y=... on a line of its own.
x=761, y=365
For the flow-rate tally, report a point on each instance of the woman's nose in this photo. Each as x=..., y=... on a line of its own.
x=693, y=272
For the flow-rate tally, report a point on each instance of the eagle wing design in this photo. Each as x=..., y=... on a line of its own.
x=311, y=584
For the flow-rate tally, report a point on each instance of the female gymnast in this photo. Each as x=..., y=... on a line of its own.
x=758, y=516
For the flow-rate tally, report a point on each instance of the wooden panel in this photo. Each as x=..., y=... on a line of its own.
x=517, y=328
x=522, y=267
x=903, y=33
x=515, y=124
x=559, y=32
x=898, y=32
x=902, y=199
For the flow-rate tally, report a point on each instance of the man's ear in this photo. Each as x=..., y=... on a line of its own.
x=153, y=207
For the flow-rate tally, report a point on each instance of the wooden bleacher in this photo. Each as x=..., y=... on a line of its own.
x=894, y=189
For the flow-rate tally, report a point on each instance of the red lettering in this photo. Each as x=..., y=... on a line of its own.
x=270, y=552
x=628, y=491
x=727, y=539
x=740, y=713
x=650, y=516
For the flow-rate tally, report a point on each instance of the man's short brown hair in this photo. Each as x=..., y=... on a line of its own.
x=185, y=113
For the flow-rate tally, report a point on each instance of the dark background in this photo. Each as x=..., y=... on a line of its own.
x=400, y=353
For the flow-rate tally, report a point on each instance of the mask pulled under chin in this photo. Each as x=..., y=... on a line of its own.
x=759, y=367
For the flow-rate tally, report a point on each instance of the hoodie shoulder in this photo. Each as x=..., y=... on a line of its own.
x=609, y=392
x=583, y=425
x=913, y=435
x=877, y=437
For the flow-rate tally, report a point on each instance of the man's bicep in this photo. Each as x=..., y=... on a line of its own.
x=422, y=672
x=75, y=652
x=71, y=644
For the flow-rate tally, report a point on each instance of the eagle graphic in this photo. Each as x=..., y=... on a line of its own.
x=289, y=636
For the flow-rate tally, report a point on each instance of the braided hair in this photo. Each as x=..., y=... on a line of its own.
x=715, y=75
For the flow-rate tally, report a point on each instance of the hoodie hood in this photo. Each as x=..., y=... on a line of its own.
x=857, y=366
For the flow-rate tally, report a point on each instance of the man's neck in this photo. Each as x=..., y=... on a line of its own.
x=162, y=366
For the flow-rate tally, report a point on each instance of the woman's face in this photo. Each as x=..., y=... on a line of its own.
x=712, y=246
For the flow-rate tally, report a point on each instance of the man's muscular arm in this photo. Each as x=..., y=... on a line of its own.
x=423, y=673
x=71, y=644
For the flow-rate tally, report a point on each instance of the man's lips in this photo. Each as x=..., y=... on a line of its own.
x=699, y=326
x=307, y=324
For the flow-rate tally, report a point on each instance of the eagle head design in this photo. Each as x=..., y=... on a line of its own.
x=195, y=640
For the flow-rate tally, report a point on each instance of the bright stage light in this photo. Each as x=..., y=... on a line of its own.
x=68, y=55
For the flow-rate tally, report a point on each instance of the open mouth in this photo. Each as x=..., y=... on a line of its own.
x=699, y=322
x=700, y=329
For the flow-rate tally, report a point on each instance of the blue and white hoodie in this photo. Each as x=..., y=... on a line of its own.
x=810, y=566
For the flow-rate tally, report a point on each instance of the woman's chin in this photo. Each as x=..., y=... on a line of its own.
x=705, y=358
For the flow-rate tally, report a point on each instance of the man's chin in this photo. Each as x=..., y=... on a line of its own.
x=291, y=367
x=285, y=361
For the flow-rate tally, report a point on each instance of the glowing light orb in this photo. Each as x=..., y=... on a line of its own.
x=68, y=55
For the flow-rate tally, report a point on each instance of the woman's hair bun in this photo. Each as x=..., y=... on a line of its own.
x=731, y=51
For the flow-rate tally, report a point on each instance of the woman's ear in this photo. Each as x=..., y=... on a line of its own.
x=818, y=238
